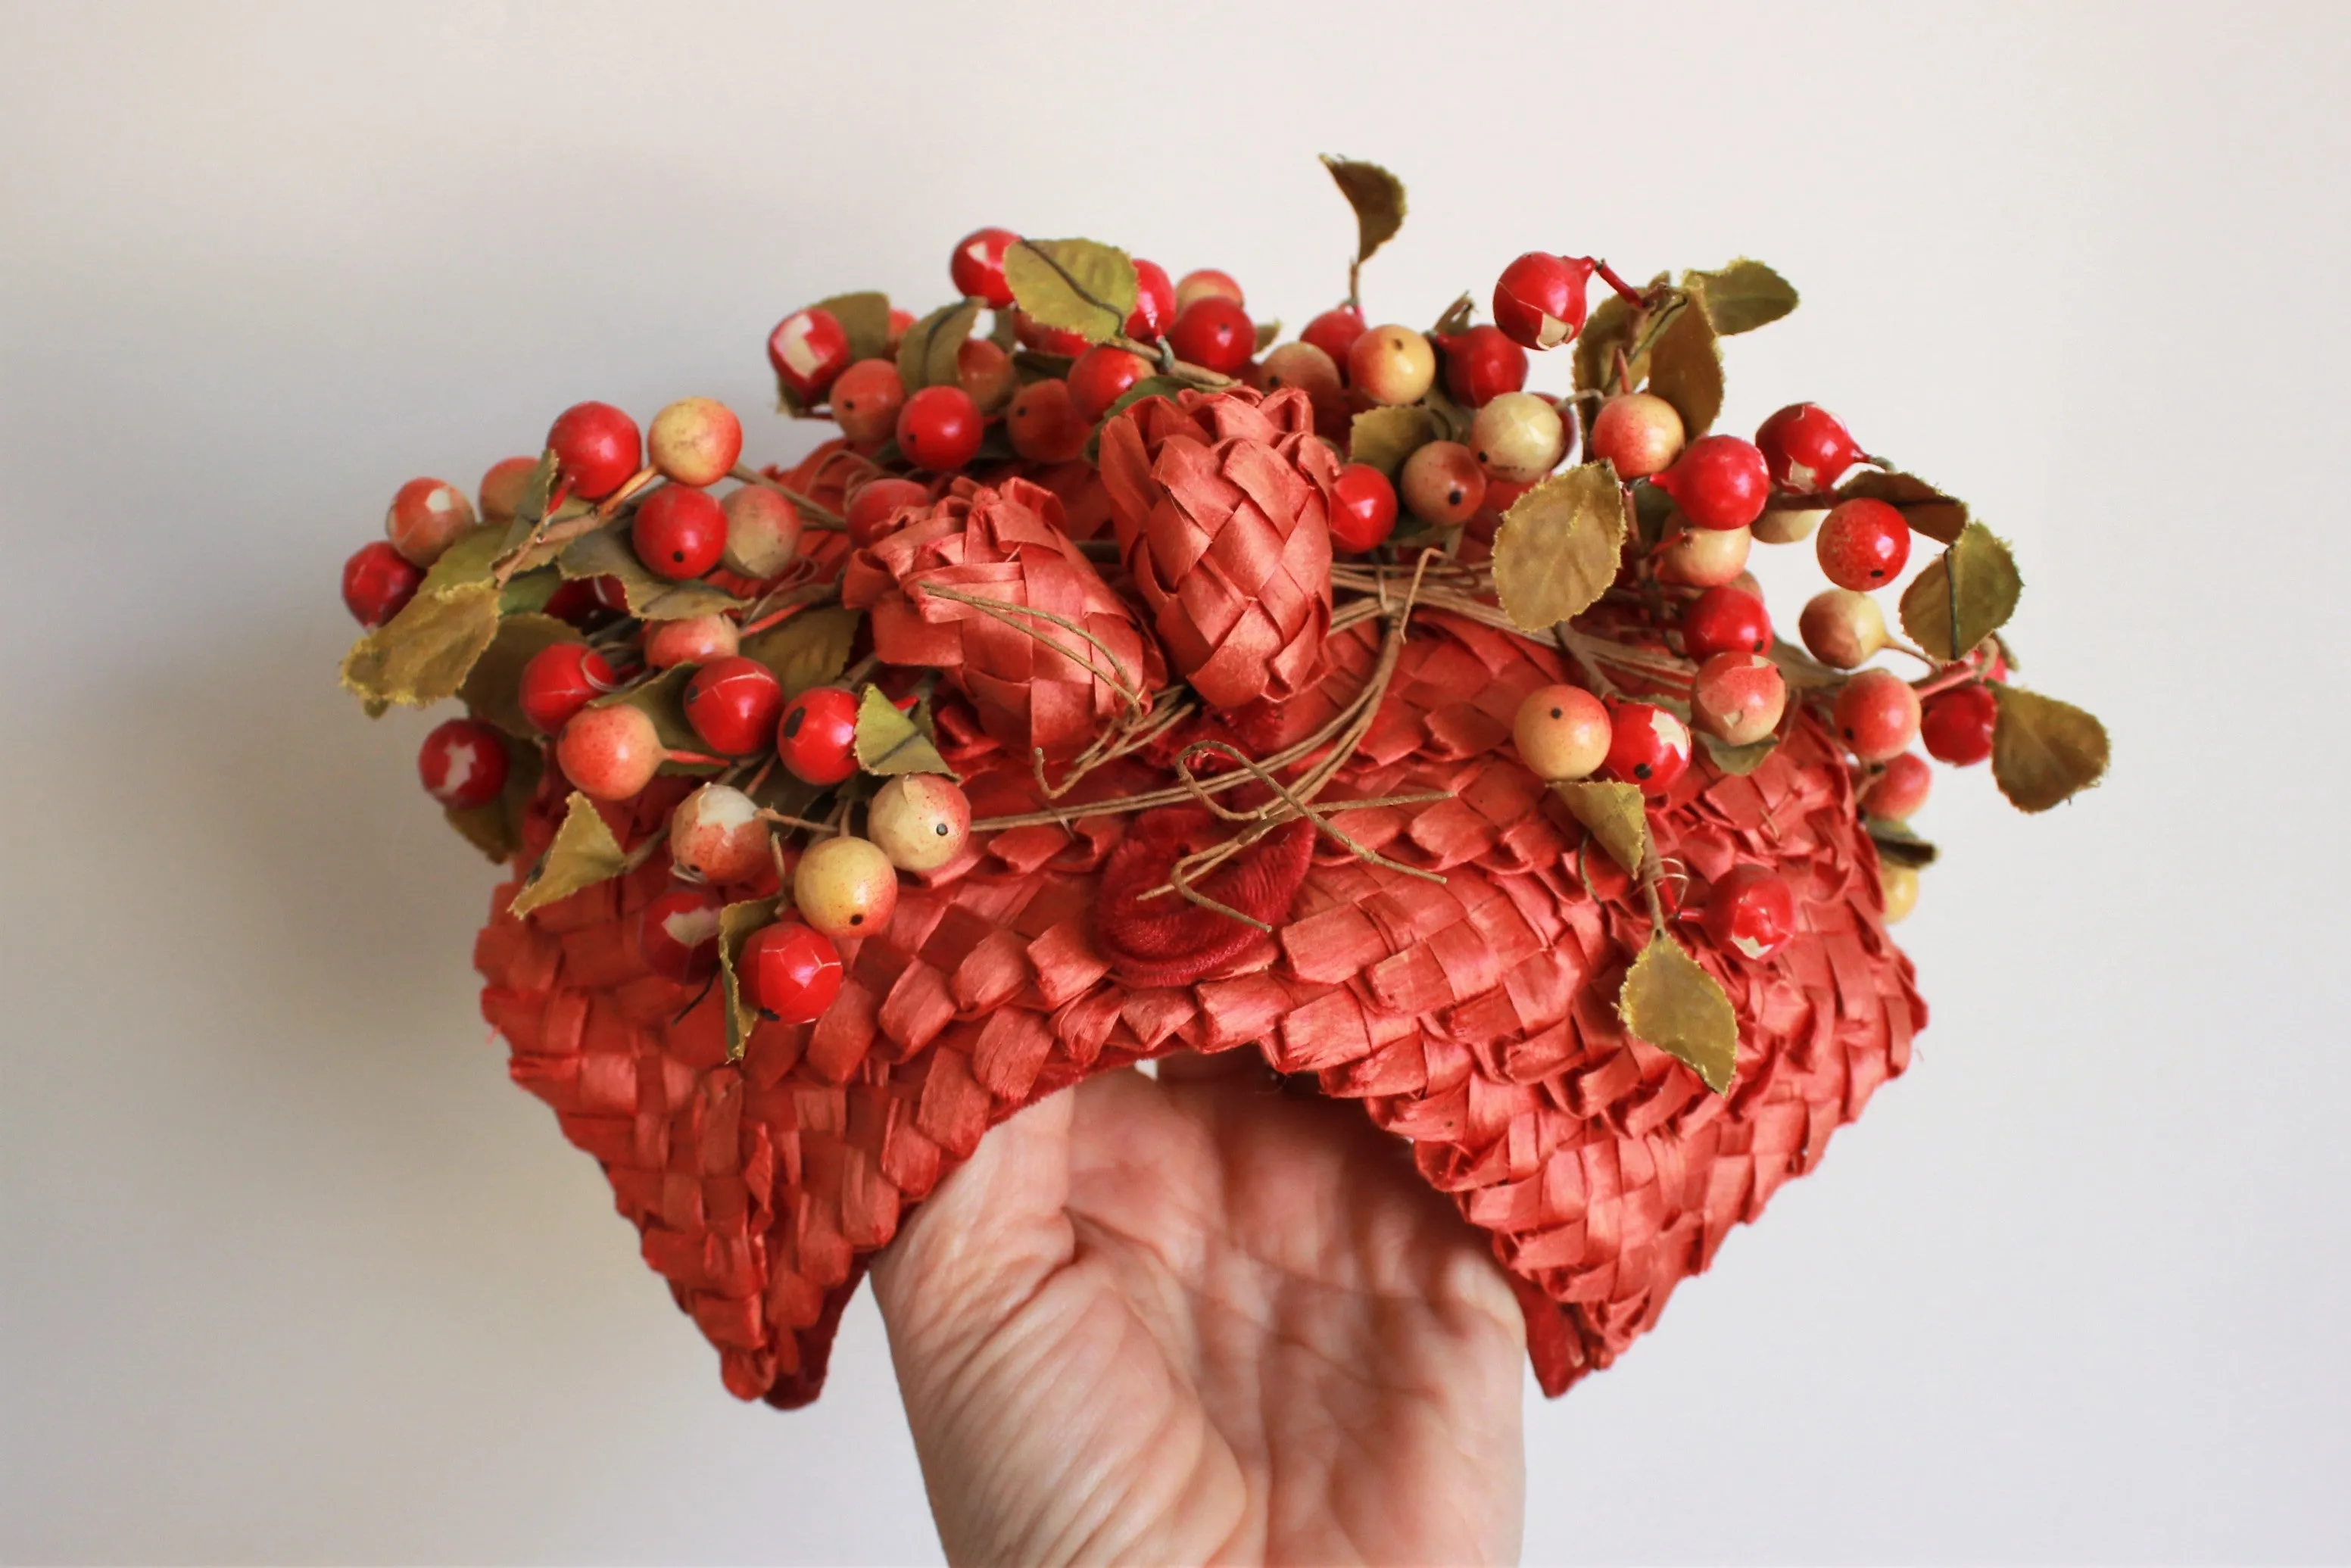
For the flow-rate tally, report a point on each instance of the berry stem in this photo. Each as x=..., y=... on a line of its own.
x=1630, y=295
x=818, y=516
x=1170, y=365
x=782, y=820
x=1960, y=675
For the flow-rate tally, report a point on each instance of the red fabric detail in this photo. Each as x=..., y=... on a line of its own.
x=1169, y=940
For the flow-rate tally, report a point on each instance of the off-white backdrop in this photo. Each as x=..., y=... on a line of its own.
x=291, y=1273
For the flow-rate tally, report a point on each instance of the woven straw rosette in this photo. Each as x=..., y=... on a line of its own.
x=1168, y=729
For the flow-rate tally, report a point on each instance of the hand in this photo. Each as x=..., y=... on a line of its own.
x=1201, y=1318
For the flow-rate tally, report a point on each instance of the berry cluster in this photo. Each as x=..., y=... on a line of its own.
x=621, y=628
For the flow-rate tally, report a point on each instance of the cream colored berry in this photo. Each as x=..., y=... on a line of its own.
x=763, y=531
x=1392, y=365
x=1900, y=885
x=1519, y=437
x=1704, y=558
x=715, y=835
x=1791, y=525
x=920, y=821
x=845, y=887
x=1844, y=628
x=1561, y=732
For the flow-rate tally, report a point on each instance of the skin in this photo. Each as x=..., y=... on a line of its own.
x=1203, y=1320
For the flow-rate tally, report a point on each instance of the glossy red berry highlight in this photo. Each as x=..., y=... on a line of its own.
x=1100, y=376
x=1215, y=333
x=1863, y=544
x=875, y=508
x=1539, y=299
x=1751, y=911
x=1155, y=302
x=677, y=934
x=1726, y=621
x=561, y=679
x=1877, y=716
x=1958, y=725
x=939, y=428
x=679, y=532
x=596, y=447
x=734, y=703
x=817, y=737
x=1481, y=364
x=1806, y=447
x=1718, y=482
x=978, y=265
x=1896, y=794
x=1647, y=747
x=789, y=974
x=809, y=349
x=378, y=583
x=1363, y=507
x=462, y=764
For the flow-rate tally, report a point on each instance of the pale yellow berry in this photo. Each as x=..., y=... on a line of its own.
x=1792, y=525
x=1844, y=628
x=1900, y=885
x=920, y=821
x=1640, y=433
x=1704, y=558
x=1519, y=437
x=845, y=887
x=1392, y=365
x=1561, y=732
x=763, y=532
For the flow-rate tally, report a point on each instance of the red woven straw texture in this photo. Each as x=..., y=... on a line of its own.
x=1221, y=503
x=1475, y=1019
x=1033, y=682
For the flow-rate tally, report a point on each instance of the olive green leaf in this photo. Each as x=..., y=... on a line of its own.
x=808, y=650
x=1385, y=437
x=1740, y=759
x=737, y=922
x=1673, y=1003
x=1742, y=296
x=2044, y=751
x=1075, y=285
x=1896, y=844
x=1685, y=367
x=1962, y=597
x=1456, y=320
x=888, y=741
x=1555, y=553
x=1613, y=814
x=927, y=354
x=607, y=552
x=865, y=317
x=423, y=653
x=1377, y=197
x=584, y=853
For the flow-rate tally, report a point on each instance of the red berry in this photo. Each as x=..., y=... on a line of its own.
x=1442, y=484
x=809, y=349
x=1718, y=482
x=610, y=753
x=817, y=737
x=1334, y=331
x=899, y=321
x=1877, y=716
x=733, y=705
x=789, y=973
x=1863, y=544
x=1958, y=725
x=715, y=835
x=875, y=508
x=1155, y=303
x=679, y=532
x=939, y=428
x=978, y=265
x=986, y=372
x=1896, y=794
x=694, y=441
x=378, y=583
x=1640, y=433
x=1647, y=747
x=1206, y=283
x=1481, y=364
x=1044, y=425
x=426, y=518
x=1738, y=697
x=677, y=934
x=691, y=639
x=1034, y=334
x=462, y=764
x=1751, y=911
x=502, y=486
x=1215, y=333
x=1100, y=376
x=1539, y=299
x=596, y=447
x=1806, y=447
x=1726, y=621
x=582, y=602
x=1363, y=507
x=866, y=398
x=560, y=679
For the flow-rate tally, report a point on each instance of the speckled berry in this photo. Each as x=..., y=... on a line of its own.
x=715, y=835
x=1844, y=628
x=694, y=441
x=1561, y=732
x=690, y=640
x=1876, y=715
x=1640, y=433
x=610, y=753
x=844, y=887
x=763, y=532
x=1518, y=437
x=920, y=821
x=1738, y=697
x=1863, y=544
x=1442, y=484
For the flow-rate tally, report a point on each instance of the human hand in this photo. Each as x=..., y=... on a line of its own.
x=1203, y=1320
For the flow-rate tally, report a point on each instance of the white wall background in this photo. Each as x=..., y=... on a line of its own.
x=291, y=1274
